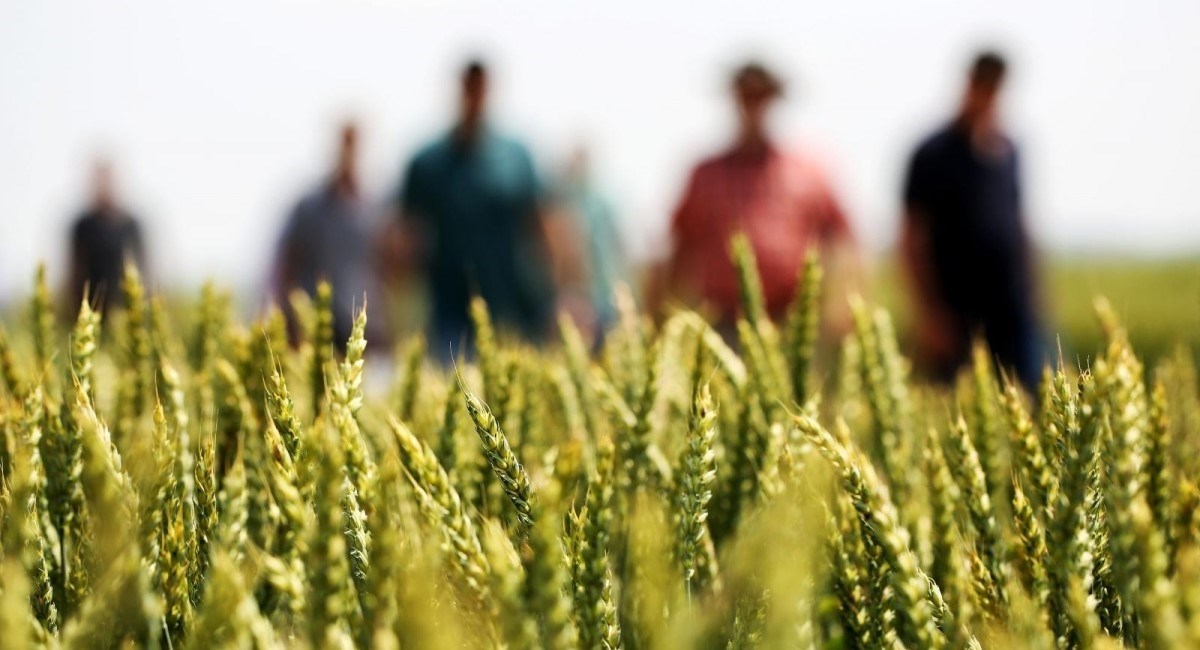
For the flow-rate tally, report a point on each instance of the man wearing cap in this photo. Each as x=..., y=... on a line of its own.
x=779, y=198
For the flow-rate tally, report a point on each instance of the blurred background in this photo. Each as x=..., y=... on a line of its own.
x=217, y=115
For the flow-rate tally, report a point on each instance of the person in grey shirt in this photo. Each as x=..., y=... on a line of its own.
x=326, y=237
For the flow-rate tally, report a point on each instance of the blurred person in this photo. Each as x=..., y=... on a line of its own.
x=103, y=238
x=780, y=198
x=603, y=256
x=964, y=239
x=472, y=221
x=326, y=237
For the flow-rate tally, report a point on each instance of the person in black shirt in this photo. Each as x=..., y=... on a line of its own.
x=964, y=239
x=103, y=238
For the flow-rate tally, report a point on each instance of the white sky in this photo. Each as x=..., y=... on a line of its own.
x=219, y=113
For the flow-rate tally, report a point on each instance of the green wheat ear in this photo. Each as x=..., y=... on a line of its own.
x=697, y=471
x=588, y=535
x=331, y=589
x=9, y=371
x=42, y=317
x=990, y=547
x=229, y=616
x=322, y=346
x=504, y=463
x=749, y=283
x=803, y=326
x=444, y=507
x=220, y=510
x=914, y=612
x=412, y=358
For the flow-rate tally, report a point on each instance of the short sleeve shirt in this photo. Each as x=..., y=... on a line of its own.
x=970, y=205
x=781, y=200
x=475, y=206
x=102, y=243
x=326, y=238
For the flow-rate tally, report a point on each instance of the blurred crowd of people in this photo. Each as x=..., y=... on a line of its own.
x=472, y=215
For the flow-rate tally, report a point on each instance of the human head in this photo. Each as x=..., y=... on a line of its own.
x=473, y=97
x=755, y=89
x=346, y=172
x=103, y=191
x=985, y=78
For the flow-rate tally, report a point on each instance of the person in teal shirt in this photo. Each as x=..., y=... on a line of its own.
x=594, y=220
x=470, y=211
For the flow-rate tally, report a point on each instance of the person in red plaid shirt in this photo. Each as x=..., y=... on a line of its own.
x=781, y=199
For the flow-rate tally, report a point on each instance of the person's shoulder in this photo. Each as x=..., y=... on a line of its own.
x=937, y=140
x=307, y=208
x=712, y=165
x=131, y=222
x=83, y=220
x=507, y=144
x=425, y=153
x=431, y=150
x=313, y=198
x=1010, y=145
x=82, y=227
x=807, y=163
x=806, y=157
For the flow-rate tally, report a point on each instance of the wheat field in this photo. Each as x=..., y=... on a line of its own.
x=215, y=487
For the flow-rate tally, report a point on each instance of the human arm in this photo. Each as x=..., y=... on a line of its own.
x=75, y=274
x=936, y=333
x=841, y=261
x=665, y=277
x=285, y=269
x=398, y=242
x=563, y=240
x=135, y=252
x=564, y=244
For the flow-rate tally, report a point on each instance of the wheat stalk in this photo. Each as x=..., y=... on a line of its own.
x=444, y=507
x=504, y=463
x=914, y=612
x=803, y=326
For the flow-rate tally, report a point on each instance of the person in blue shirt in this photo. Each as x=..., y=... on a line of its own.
x=965, y=241
x=471, y=222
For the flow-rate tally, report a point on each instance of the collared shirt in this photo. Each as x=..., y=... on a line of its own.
x=326, y=238
x=781, y=200
x=475, y=207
